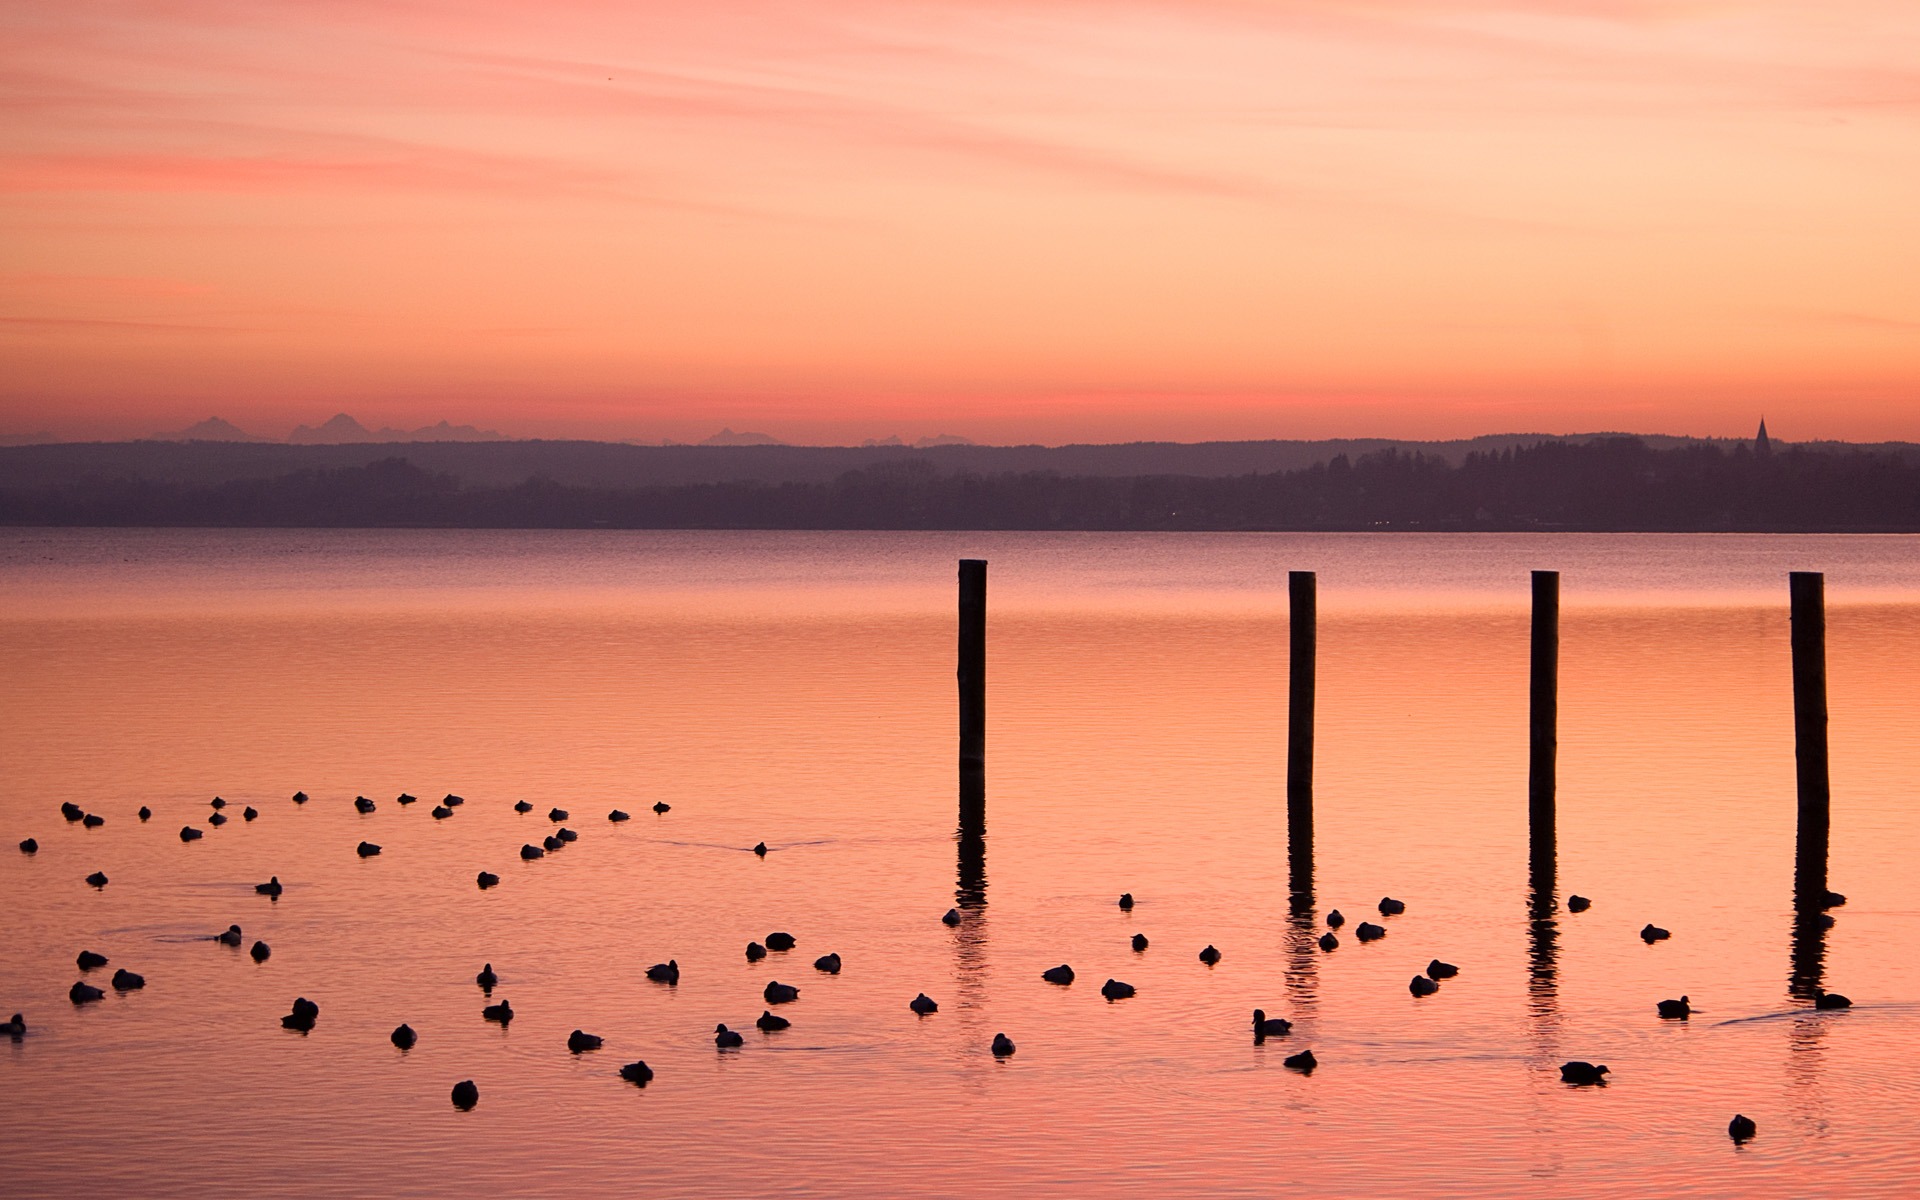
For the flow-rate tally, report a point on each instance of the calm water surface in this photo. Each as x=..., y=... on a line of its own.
x=798, y=689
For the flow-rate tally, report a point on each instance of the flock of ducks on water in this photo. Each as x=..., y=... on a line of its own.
x=305, y=1013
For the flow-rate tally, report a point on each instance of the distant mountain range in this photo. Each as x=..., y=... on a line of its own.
x=342, y=430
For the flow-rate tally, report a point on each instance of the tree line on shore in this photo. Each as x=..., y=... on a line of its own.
x=1603, y=484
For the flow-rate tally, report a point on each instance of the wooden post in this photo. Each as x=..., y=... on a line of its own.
x=1544, y=705
x=1303, y=639
x=1807, y=591
x=973, y=663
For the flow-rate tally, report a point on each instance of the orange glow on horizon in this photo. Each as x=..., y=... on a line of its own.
x=1023, y=220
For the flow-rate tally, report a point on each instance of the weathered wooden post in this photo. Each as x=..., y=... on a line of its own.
x=1303, y=640
x=1808, y=603
x=973, y=695
x=1544, y=709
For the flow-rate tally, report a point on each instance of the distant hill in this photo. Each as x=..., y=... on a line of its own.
x=343, y=430
x=727, y=437
x=213, y=429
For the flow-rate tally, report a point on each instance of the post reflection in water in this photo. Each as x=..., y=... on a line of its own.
x=1808, y=960
x=970, y=890
x=1543, y=931
x=1302, y=961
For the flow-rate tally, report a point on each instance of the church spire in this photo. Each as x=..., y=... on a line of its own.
x=1761, y=445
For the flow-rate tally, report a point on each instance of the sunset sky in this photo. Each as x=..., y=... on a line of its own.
x=1016, y=220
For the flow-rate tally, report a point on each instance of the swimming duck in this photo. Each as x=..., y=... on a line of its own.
x=1582, y=1073
x=1139, y=942
x=403, y=1037
x=80, y=993
x=760, y=848
x=1002, y=1045
x=780, y=941
x=1329, y=942
x=270, y=888
x=486, y=879
x=93, y=820
x=530, y=852
x=1832, y=900
x=363, y=804
x=828, y=963
x=566, y=835
x=501, y=1012
x=1367, y=931
x=1830, y=1000
x=453, y=801
x=465, y=1095
x=189, y=834
x=217, y=802
x=15, y=1027
x=1209, y=956
x=29, y=846
x=305, y=1013
x=617, y=815
x=755, y=952
x=951, y=917
x=260, y=952
x=1062, y=974
x=521, y=806
x=98, y=879
x=661, y=806
x=72, y=811
x=249, y=813
x=666, y=972
x=230, y=938
x=638, y=1073
x=1652, y=933
x=1303, y=1062
x=1741, y=1127
x=1336, y=919
x=580, y=1042
x=769, y=1023
x=1265, y=1027
x=1391, y=907
x=486, y=978
x=1441, y=970
x=923, y=1004
x=1113, y=989
x=1422, y=986
x=145, y=813
x=441, y=812
x=552, y=843
x=780, y=993
x=556, y=815
x=1126, y=899
x=1675, y=1009
x=217, y=820
x=90, y=961
x=405, y=798
x=366, y=849
x=726, y=1038
x=299, y=797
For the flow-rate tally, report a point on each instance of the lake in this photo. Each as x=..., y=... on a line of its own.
x=798, y=689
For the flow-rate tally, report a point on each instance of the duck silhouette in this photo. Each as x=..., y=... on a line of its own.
x=667, y=972
x=566, y=835
x=363, y=804
x=827, y=963
x=951, y=917
x=1209, y=956
x=1002, y=1045
x=637, y=1073
x=1391, y=907
x=270, y=888
x=305, y=1013
x=661, y=806
x=1139, y=942
x=617, y=815
x=486, y=978
x=1582, y=1074
x=189, y=834
x=98, y=879
x=15, y=1027
x=769, y=1023
x=1830, y=1000
x=145, y=813
x=217, y=820
x=403, y=1037
x=500, y=1013
x=1113, y=989
x=1062, y=974
x=230, y=938
x=780, y=941
x=579, y=1041
x=465, y=1095
x=521, y=806
x=780, y=993
x=923, y=1004
x=1336, y=919
x=1329, y=942
x=1265, y=1027
x=30, y=846
x=453, y=801
x=217, y=802
x=1126, y=900
x=366, y=849
x=1367, y=931
x=88, y=960
x=405, y=798
x=1304, y=1062
x=93, y=821
x=531, y=852
x=71, y=811
x=1675, y=1009
x=487, y=879
x=726, y=1038
x=556, y=815
x=260, y=952
x=126, y=981
x=299, y=797
x=441, y=812
x=760, y=848
x=1651, y=933
x=552, y=843
x=1422, y=986
x=1441, y=970
x=249, y=813
x=755, y=952
x=81, y=993
x=1741, y=1128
